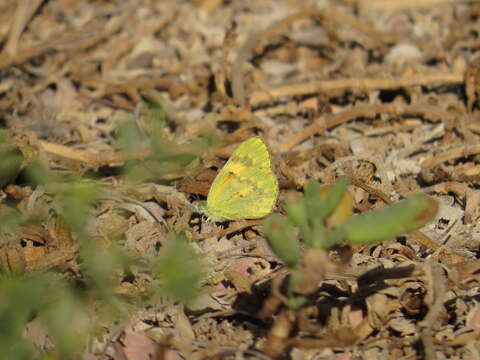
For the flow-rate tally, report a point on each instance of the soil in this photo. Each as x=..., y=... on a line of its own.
x=382, y=92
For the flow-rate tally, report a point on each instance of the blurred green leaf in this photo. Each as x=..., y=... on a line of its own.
x=319, y=234
x=310, y=212
x=318, y=206
x=10, y=219
x=311, y=189
x=343, y=209
x=283, y=239
x=157, y=113
x=10, y=165
x=296, y=302
x=12, y=160
x=392, y=220
x=296, y=211
x=179, y=269
x=68, y=321
x=333, y=198
x=129, y=138
x=20, y=300
x=37, y=174
x=163, y=159
x=76, y=199
x=100, y=266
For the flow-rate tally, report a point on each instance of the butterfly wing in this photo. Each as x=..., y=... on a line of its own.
x=245, y=188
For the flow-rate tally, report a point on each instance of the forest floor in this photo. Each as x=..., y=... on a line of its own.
x=134, y=106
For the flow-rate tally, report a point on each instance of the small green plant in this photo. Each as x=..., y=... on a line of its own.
x=322, y=218
x=149, y=153
x=12, y=160
x=56, y=304
x=179, y=269
x=44, y=299
x=98, y=262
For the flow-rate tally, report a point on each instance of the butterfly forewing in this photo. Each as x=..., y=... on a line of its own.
x=245, y=188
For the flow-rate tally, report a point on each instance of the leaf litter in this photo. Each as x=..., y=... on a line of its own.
x=384, y=92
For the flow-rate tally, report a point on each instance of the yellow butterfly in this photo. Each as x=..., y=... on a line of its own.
x=245, y=188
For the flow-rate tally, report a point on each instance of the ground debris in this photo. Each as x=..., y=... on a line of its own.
x=385, y=93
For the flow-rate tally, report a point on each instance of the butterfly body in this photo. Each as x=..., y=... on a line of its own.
x=245, y=188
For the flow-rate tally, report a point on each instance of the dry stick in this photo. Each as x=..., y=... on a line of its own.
x=436, y=285
x=23, y=13
x=238, y=226
x=98, y=160
x=453, y=153
x=251, y=44
x=25, y=54
x=95, y=160
x=135, y=84
x=82, y=38
x=329, y=121
x=371, y=159
x=109, y=158
x=69, y=153
x=305, y=133
x=138, y=84
x=403, y=4
x=368, y=111
x=248, y=48
x=321, y=123
x=314, y=87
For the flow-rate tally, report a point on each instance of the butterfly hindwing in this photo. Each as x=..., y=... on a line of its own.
x=245, y=188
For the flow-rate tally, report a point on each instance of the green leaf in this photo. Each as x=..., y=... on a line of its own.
x=283, y=239
x=20, y=299
x=180, y=269
x=76, y=200
x=319, y=234
x=129, y=137
x=311, y=189
x=334, y=197
x=318, y=206
x=68, y=308
x=37, y=174
x=392, y=220
x=297, y=214
x=310, y=213
x=100, y=265
x=10, y=165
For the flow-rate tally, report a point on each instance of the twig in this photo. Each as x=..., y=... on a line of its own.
x=70, y=153
x=82, y=38
x=329, y=121
x=453, y=153
x=405, y=4
x=237, y=226
x=251, y=44
x=436, y=285
x=325, y=86
x=23, y=13
x=248, y=48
